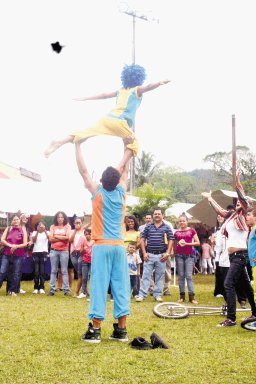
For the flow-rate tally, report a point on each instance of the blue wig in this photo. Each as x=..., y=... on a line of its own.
x=132, y=75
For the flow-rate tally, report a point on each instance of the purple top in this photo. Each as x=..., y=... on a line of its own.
x=15, y=236
x=187, y=235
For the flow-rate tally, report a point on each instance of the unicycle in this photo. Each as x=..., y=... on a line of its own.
x=249, y=324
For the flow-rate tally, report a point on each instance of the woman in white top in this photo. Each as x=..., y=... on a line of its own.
x=40, y=237
x=236, y=232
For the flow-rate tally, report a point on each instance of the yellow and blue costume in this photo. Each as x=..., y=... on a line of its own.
x=118, y=122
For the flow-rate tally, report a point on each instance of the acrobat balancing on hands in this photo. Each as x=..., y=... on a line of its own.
x=120, y=121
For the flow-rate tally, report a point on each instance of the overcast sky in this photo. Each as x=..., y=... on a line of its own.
x=205, y=47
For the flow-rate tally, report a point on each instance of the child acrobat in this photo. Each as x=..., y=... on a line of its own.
x=119, y=121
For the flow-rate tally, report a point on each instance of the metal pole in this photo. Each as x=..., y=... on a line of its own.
x=124, y=7
x=133, y=38
x=132, y=163
x=234, y=152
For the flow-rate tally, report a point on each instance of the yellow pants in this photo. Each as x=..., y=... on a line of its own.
x=254, y=281
x=108, y=126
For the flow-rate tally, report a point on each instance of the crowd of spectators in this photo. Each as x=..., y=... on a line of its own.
x=155, y=251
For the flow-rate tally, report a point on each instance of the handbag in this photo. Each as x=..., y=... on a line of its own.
x=2, y=246
x=2, y=249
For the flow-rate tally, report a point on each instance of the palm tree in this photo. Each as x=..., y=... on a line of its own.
x=145, y=168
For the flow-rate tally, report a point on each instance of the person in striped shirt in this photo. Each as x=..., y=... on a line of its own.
x=154, y=236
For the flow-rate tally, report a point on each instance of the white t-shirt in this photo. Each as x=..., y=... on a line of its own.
x=222, y=255
x=41, y=244
x=236, y=238
x=133, y=261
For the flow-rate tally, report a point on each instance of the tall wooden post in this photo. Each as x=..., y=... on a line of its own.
x=234, y=151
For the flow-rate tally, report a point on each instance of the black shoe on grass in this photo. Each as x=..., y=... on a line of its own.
x=226, y=323
x=92, y=335
x=140, y=343
x=158, y=342
x=119, y=334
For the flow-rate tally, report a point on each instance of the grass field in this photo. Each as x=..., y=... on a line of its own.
x=40, y=343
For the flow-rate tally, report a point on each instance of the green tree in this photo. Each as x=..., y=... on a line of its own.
x=150, y=198
x=145, y=168
x=179, y=183
x=245, y=160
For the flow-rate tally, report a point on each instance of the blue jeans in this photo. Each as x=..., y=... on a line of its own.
x=134, y=285
x=76, y=259
x=86, y=268
x=57, y=257
x=17, y=265
x=154, y=263
x=184, y=264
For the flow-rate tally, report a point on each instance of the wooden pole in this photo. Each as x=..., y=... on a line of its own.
x=234, y=151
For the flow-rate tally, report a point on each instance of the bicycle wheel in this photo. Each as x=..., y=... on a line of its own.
x=249, y=324
x=169, y=310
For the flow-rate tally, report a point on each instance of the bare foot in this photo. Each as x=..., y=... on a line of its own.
x=128, y=140
x=54, y=145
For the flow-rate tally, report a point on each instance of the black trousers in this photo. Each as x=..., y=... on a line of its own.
x=237, y=274
x=222, y=273
x=219, y=287
x=39, y=260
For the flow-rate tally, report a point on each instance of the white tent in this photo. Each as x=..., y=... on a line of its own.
x=40, y=197
x=177, y=209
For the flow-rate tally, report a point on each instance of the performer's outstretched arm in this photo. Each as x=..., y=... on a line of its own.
x=123, y=167
x=88, y=181
x=97, y=97
x=150, y=87
x=240, y=191
x=218, y=209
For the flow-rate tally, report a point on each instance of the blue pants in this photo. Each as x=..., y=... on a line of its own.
x=76, y=260
x=154, y=263
x=86, y=268
x=109, y=267
x=134, y=285
x=17, y=265
x=57, y=257
x=185, y=265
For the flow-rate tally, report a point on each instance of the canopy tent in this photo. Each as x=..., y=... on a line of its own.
x=177, y=209
x=34, y=198
x=205, y=213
